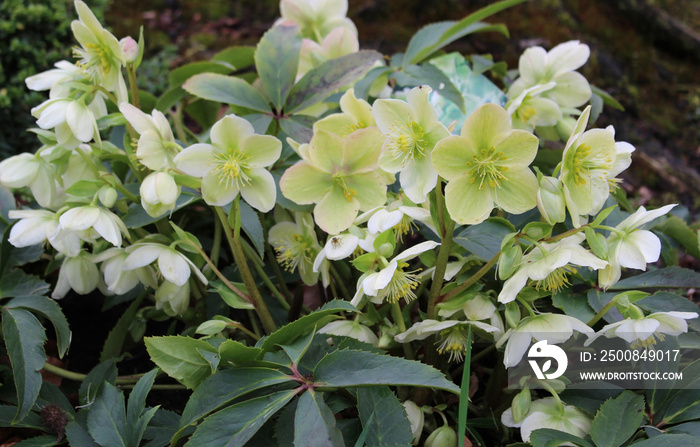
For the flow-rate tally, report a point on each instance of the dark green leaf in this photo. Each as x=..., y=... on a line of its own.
x=296, y=350
x=617, y=420
x=7, y=202
x=226, y=89
x=106, y=420
x=181, y=74
x=179, y=358
x=237, y=353
x=250, y=222
x=314, y=424
x=547, y=437
x=38, y=441
x=415, y=75
x=24, y=339
x=225, y=386
x=7, y=416
x=18, y=283
x=607, y=98
x=669, y=277
x=78, y=436
x=168, y=99
x=235, y=425
x=136, y=406
x=691, y=428
x=464, y=389
x=115, y=339
x=260, y=121
x=679, y=440
x=573, y=305
x=299, y=127
x=359, y=368
x=162, y=427
x=277, y=60
x=50, y=310
x=91, y=386
x=229, y=296
x=320, y=82
x=363, y=86
x=678, y=230
x=484, y=239
x=287, y=334
x=389, y=426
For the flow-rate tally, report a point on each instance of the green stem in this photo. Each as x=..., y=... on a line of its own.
x=131, y=73
x=272, y=260
x=339, y=282
x=398, y=320
x=220, y=275
x=527, y=307
x=242, y=264
x=216, y=247
x=78, y=377
x=471, y=281
x=177, y=119
x=126, y=193
x=448, y=227
x=257, y=264
x=600, y=314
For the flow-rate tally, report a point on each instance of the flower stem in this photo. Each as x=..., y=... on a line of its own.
x=600, y=314
x=257, y=265
x=78, y=377
x=242, y=264
x=398, y=320
x=131, y=73
x=339, y=282
x=471, y=281
x=221, y=276
x=447, y=226
x=272, y=260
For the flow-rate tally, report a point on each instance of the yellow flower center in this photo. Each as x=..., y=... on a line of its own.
x=402, y=285
x=406, y=141
x=93, y=59
x=486, y=167
x=231, y=166
x=648, y=342
x=348, y=193
x=556, y=280
x=405, y=226
x=350, y=128
x=587, y=164
x=527, y=114
x=454, y=342
x=295, y=251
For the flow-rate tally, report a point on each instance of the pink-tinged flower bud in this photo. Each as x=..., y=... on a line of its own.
x=130, y=48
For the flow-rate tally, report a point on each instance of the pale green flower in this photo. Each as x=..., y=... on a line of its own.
x=173, y=299
x=416, y=418
x=38, y=226
x=555, y=328
x=453, y=335
x=340, y=176
x=548, y=264
x=550, y=413
x=297, y=248
x=156, y=147
x=339, y=42
x=411, y=129
x=487, y=165
x=631, y=247
x=118, y=280
x=92, y=221
x=100, y=55
x=588, y=163
x=317, y=18
x=356, y=114
x=78, y=273
x=443, y=436
x=159, y=193
x=538, y=67
x=234, y=162
x=643, y=332
x=30, y=170
x=530, y=110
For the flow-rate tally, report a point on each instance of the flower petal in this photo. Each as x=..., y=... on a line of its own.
x=173, y=267
x=466, y=203
x=262, y=150
x=305, y=184
x=195, y=160
x=334, y=213
x=230, y=131
x=261, y=192
x=517, y=194
x=217, y=193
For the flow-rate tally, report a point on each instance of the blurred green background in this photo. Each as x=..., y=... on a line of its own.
x=646, y=53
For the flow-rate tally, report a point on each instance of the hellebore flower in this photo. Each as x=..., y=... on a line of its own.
x=173, y=265
x=487, y=165
x=173, y=299
x=37, y=226
x=339, y=42
x=339, y=175
x=555, y=328
x=30, y=170
x=356, y=114
x=549, y=264
x=537, y=67
x=412, y=129
x=643, y=332
x=118, y=280
x=529, y=110
x=92, y=217
x=317, y=18
x=297, y=247
x=549, y=413
x=631, y=247
x=156, y=147
x=101, y=56
x=350, y=328
x=159, y=192
x=234, y=162
x=78, y=273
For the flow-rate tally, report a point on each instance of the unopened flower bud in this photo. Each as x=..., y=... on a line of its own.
x=550, y=200
x=442, y=437
x=416, y=418
x=107, y=196
x=512, y=314
x=159, y=192
x=521, y=405
x=173, y=299
x=509, y=261
x=130, y=48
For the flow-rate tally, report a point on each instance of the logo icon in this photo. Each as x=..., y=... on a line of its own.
x=542, y=350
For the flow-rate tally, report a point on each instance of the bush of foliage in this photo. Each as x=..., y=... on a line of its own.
x=328, y=246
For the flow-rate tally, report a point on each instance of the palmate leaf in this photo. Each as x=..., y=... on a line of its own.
x=348, y=368
x=314, y=424
x=24, y=339
x=235, y=425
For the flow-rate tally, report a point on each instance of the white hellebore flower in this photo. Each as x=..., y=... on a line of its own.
x=631, y=247
x=156, y=147
x=159, y=192
x=350, y=328
x=30, y=170
x=549, y=264
x=37, y=226
x=94, y=218
x=392, y=282
x=78, y=273
x=73, y=120
x=453, y=334
x=173, y=299
x=234, y=162
x=550, y=413
x=118, y=280
x=173, y=265
x=555, y=328
x=643, y=332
